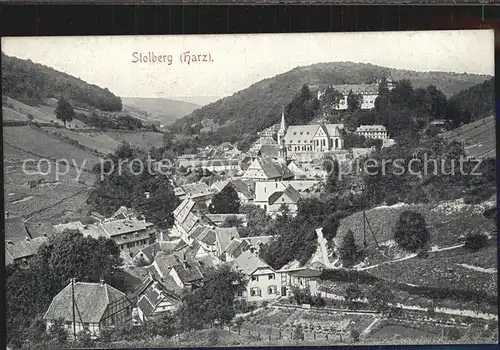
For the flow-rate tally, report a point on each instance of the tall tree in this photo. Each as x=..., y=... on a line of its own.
x=348, y=251
x=225, y=202
x=380, y=295
x=64, y=111
x=411, y=231
x=354, y=101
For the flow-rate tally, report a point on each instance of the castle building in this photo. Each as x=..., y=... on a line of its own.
x=368, y=92
x=372, y=131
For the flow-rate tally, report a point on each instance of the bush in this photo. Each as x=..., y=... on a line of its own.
x=454, y=334
x=298, y=333
x=411, y=232
x=475, y=241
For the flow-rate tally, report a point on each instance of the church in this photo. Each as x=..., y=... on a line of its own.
x=296, y=140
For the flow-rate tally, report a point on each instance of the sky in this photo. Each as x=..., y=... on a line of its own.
x=229, y=63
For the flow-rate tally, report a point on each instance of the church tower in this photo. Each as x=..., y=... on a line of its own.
x=281, y=140
x=282, y=129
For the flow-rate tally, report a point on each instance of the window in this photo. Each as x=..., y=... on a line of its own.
x=255, y=292
x=255, y=278
x=271, y=276
x=240, y=294
x=272, y=290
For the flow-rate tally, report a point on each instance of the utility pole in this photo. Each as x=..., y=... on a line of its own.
x=73, y=303
x=364, y=213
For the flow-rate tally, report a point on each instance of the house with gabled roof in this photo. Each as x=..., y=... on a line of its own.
x=95, y=306
x=263, y=281
x=184, y=271
x=267, y=170
x=19, y=252
x=154, y=299
x=270, y=196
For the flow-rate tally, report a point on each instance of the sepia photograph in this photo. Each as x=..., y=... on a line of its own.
x=308, y=189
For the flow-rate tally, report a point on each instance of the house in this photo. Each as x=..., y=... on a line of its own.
x=270, y=131
x=372, y=131
x=219, y=219
x=368, y=93
x=221, y=165
x=154, y=299
x=234, y=249
x=199, y=192
x=263, y=282
x=184, y=271
x=94, y=306
x=129, y=235
x=270, y=196
x=267, y=170
x=148, y=253
x=255, y=242
x=185, y=219
x=22, y=239
x=263, y=140
x=244, y=189
x=19, y=252
x=302, y=278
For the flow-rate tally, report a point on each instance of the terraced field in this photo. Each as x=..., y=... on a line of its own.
x=479, y=137
x=30, y=193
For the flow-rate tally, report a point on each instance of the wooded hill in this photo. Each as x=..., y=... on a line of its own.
x=26, y=80
x=259, y=105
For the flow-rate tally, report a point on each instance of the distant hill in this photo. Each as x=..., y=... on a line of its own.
x=26, y=80
x=259, y=105
x=159, y=110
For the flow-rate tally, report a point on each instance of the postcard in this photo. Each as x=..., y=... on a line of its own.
x=250, y=190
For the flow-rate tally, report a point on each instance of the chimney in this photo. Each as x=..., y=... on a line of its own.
x=27, y=239
x=6, y=214
x=101, y=282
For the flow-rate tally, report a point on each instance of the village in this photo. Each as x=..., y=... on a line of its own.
x=262, y=227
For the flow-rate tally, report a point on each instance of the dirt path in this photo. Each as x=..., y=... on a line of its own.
x=477, y=268
x=367, y=330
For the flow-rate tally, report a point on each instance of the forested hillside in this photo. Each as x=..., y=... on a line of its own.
x=259, y=105
x=26, y=80
x=477, y=102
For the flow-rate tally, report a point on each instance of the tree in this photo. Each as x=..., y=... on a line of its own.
x=258, y=221
x=348, y=251
x=411, y=232
x=225, y=202
x=330, y=100
x=58, y=332
x=352, y=294
x=380, y=295
x=298, y=333
x=355, y=335
x=232, y=221
x=354, y=101
x=475, y=241
x=332, y=168
x=70, y=254
x=64, y=111
x=214, y=300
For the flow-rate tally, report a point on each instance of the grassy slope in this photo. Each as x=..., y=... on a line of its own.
x=448, y=222
x=142, y=139
x=52, y=200
x=479, y=137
